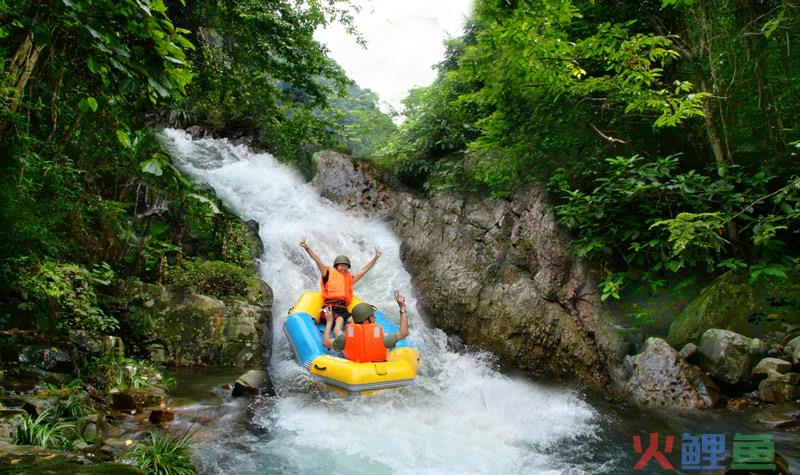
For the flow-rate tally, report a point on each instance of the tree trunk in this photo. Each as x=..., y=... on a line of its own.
x=19, y=72
x=709, y=109
x=22, y=65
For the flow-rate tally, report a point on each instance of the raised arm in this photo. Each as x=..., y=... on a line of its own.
x=401, y=302
x=368, y=266
x=314, y=256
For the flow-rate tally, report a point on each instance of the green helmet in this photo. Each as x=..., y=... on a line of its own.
x=362, y=312
x=341, y=260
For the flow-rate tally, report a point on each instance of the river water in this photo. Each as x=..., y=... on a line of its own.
x=462, y=415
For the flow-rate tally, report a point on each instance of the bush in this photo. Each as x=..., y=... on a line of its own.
x=72, y=408
x=164, y=454
x=64, y=295
x=214, y=278
x=644, y=219
x=216, y=233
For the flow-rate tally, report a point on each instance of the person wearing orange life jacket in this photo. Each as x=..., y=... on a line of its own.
x=336, y=282
x=363, y=340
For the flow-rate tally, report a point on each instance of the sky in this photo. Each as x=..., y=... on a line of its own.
x=404, y=40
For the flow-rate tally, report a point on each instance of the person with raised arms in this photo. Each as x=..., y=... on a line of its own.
x=336, y=283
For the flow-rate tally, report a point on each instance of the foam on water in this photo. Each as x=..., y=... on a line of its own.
x=461, y=416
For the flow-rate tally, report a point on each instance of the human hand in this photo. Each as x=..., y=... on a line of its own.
x=378, y=253
x=401, y=301
x=303, y=243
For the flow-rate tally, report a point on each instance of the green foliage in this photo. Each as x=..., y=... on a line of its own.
x=599, y=102
x=217, y=233
x=164, y=454
x=65, y=296
x=43, y=433
x=522, y=88
x=616, y=218
x=363, y=127
x=115, y=43
x=117, y=373
x=261, y=73
x=74, y=140
x=694, y=230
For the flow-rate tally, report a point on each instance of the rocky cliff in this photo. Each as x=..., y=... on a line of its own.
x=496, y=272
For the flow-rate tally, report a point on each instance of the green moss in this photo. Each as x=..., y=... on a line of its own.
x=732, y=303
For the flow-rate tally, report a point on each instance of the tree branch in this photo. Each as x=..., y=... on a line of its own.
x=608, y=138
x=796, y=182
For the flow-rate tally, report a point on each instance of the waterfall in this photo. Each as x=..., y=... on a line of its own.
x=461, y=415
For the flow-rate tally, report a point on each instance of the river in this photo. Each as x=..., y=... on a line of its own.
x=463, y=415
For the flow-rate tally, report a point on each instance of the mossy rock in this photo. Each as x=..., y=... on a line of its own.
x=222, y=280
x=731, y=302
x=36, y=460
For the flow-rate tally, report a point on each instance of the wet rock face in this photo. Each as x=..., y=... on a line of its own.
x=659, y=377
x=194, y=329
x=498, y=273
x=351, y=184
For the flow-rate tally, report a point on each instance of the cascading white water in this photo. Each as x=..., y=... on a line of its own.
x=461, y=416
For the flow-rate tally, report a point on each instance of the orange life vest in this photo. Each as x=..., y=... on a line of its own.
x=364, y=342
x=338, y=286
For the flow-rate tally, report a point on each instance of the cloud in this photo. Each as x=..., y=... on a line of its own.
x=404, y=41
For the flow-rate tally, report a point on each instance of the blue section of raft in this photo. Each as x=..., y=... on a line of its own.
x=305, y=336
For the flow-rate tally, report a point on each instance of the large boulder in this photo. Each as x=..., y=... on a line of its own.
x=195, y=329
x=793, y=348
x=94, y=345
x=779, y=388
x=763, y=368
x=497, y=272
x=659, y=377
x=730, y=357
x=47, y=358
x=733, y=303
x=137, y=399
x=252, y=382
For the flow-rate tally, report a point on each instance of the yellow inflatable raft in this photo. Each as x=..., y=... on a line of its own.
x=304, y=331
